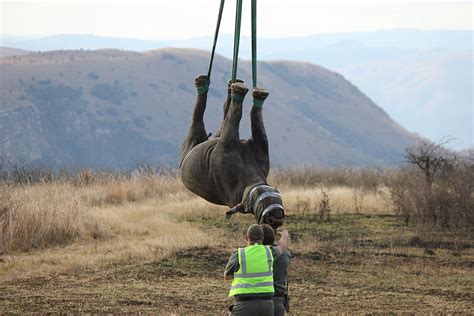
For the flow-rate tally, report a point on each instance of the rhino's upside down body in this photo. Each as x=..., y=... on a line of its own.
x=226, y=170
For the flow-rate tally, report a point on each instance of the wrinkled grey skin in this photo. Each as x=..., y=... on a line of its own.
x=219, y=169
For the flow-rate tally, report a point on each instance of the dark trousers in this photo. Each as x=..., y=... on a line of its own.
x=253, y=308
x=279, y=303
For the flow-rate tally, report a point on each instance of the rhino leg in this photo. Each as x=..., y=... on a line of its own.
x=229, y=137
x=197, y=132
x=226, y=106
x=259, y=138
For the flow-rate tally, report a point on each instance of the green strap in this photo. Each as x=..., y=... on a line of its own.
x=258, y=103
x=254, y=43
x=237, y=98
x=203, y=89
x=216, y=35
x=238, y=20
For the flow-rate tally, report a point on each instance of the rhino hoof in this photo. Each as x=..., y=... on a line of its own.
x=201, y=80
x=239, y=89
x=229, y=83
x=260, y=93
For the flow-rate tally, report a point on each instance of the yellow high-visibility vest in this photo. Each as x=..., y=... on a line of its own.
x=255, y=274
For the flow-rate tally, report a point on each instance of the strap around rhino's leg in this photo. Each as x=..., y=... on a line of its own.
x=197, y=132
x=230, y=127
x=259, y=96
x=226, y=106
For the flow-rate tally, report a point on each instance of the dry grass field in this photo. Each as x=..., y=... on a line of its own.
x=145, y=244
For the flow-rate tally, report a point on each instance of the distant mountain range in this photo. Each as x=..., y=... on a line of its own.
x=422, y=79
x=111, y=108
x=405, y=39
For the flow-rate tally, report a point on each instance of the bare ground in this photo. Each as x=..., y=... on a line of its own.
x=355, y=263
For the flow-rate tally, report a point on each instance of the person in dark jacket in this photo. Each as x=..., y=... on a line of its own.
x=280, y=273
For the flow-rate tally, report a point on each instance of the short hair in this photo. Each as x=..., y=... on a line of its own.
x=255, y=233
x=268, y=234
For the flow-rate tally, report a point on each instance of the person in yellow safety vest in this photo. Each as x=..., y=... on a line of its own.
x=251, y=272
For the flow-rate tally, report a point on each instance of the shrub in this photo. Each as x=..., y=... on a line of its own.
x=436, y=191
x=324, y=208
x=115, y=94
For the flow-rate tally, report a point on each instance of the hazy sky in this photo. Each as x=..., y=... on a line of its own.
x=160, y=19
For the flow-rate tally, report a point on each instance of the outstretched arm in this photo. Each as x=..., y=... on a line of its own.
x=284, y=240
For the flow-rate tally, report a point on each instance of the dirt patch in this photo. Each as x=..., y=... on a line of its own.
x=417, y=241
x=371, y=269
x=202, y=261
x=190, y=281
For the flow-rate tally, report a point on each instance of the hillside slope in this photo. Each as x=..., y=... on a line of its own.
x=422, y=78
x=9, y=51
x=431, y=94
x=111, y=108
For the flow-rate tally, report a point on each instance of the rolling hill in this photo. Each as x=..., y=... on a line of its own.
x=422, y=78
x=9, y=51
x=112, y=108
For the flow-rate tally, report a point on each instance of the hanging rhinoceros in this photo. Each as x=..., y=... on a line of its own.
x=226, y=170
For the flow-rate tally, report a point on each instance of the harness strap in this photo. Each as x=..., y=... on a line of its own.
x=263, y=196
x=249, y=206
x=238, y=20
x=258, y=186
x=252, y=208
x=216, y=35
x=254, y=43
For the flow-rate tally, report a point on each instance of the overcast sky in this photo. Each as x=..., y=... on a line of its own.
x=166, y=19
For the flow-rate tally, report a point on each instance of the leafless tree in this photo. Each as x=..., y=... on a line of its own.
x=431, y=158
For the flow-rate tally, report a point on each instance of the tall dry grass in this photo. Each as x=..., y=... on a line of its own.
x=348, y=190
x=62, y=226
x=58, y=211
x=341, y=200
x=369, y=178
x=103, y=217
x=46, y=214
x=37, y=216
